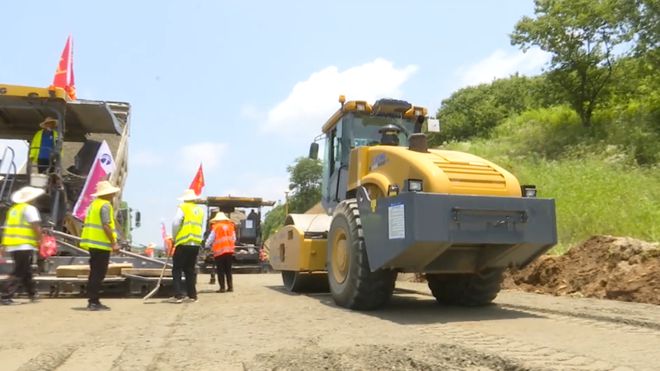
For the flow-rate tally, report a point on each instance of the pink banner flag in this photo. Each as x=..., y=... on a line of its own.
x=163, y=231
x=101, y=169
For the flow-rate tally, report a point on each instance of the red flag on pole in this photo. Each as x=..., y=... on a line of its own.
x=198, y=182
x=64, y=74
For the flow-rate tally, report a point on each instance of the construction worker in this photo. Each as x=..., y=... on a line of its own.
x=149, y=250
x=222, y=242
x=209, y=260
x=43, y=143
x=21, y=237
x=99, y=237
x=389, y=135
x=188, y=230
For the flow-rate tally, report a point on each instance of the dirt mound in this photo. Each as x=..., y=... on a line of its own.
x=605, y=267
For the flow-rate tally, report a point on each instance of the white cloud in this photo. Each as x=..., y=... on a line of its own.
x=503, y=64
x=146, y=158
x=208, y=153
x=250, y=112
x=312, y=101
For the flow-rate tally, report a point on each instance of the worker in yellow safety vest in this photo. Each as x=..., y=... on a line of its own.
x=99, y=237
x=187, y=230
x=43, y=144
x=21, y=236
x=222, y=242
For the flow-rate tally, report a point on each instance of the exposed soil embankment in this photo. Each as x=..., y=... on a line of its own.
x=606, y=267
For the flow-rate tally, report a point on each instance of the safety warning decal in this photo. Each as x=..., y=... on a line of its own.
x=396, y=222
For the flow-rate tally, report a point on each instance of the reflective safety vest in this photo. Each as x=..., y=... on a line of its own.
x=225, y=238
x=35, y=146
x=93, y=234
x=18, y=231
x=190, y=232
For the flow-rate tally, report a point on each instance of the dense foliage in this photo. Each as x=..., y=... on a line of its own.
x=619, y=102
x=587, y=131
x=305, y=186
x=584, y=38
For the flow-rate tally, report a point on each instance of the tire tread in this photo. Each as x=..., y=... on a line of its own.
x=466, y=289
x=372, y=289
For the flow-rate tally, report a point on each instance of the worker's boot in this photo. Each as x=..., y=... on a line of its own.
x=212, y=281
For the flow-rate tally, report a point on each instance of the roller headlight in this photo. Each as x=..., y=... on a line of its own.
x=415, y=185
x=528, y=191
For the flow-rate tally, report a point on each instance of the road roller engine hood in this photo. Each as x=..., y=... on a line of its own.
x=399, y=169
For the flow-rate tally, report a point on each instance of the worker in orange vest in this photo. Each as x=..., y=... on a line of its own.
x=149, y=250
x=221, y=241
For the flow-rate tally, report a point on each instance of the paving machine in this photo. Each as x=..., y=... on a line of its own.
x=394, y=205
x=245, y=212
x=83, y=125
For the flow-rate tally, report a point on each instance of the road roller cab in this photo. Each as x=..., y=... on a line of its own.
x=394, y=205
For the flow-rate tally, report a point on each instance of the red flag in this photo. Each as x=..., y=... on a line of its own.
x=64, y=75
x=198, y=182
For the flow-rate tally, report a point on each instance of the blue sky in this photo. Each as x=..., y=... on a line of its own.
x=244, y=86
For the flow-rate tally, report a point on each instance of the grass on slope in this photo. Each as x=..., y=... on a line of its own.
x=592, y=196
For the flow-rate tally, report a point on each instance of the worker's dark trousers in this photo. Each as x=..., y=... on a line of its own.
x=22, y=274
x=42, y=165
x=98, y=267
x=223, y=268
x=184, y=261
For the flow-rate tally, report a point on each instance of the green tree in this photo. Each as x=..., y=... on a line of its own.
x=273, y=221
x=476, y=110
x=581, y=35
x=305, y=185
x=642, y=18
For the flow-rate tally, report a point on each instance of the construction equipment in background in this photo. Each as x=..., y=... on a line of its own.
x=394, y=205
x=83, y=125
x=245, y=212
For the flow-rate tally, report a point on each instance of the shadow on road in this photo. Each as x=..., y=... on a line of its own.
x=408, y=308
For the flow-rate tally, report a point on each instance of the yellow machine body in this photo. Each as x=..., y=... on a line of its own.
x=474, y=203
x=290, y=250
x=440, y=171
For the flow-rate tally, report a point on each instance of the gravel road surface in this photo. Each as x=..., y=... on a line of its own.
x=262, y=327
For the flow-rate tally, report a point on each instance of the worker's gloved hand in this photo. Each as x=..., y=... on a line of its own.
x=115, y=247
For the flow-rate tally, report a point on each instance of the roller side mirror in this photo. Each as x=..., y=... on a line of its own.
x=314, y=151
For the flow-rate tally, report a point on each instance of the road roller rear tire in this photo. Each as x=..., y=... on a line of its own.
x=466, y=289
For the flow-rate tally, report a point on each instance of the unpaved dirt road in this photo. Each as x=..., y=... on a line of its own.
x=262, y=327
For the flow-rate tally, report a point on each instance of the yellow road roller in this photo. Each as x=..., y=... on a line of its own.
x=394, y=205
